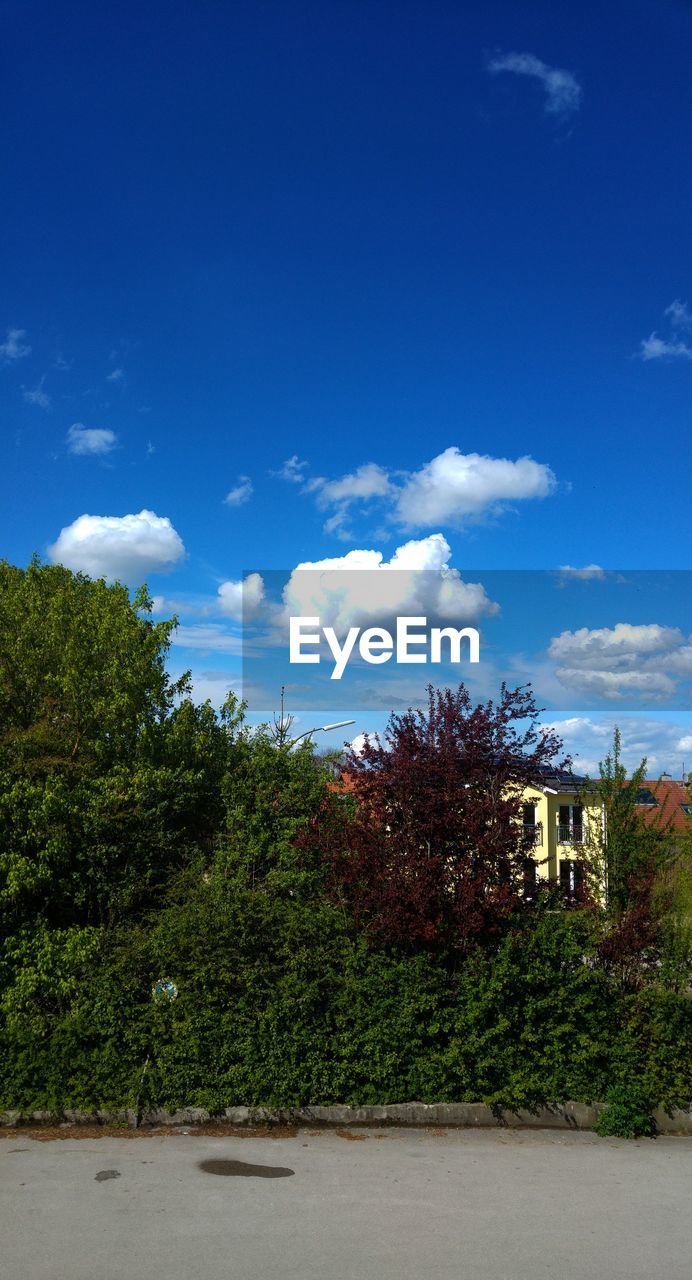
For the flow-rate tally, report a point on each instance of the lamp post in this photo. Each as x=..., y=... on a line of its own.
x=284, y=724
x=320, y=728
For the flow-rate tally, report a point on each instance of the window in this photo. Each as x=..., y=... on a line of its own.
x=570, y=824
x=531, y=830
x=571, y=876
x=530, y=879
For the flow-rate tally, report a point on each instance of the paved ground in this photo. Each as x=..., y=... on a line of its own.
x=378, y=1205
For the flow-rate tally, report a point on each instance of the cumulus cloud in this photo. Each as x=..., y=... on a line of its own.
x=90, y=441
x=116, y=375
x=367, y=481
x=242, y=598
x=36, y=395
x=453, y=489
x=14, y=347
x=240, y=493
x=563, y=92
x=357, y=744
x=622, y=661
x=125, y=547
x=361, y=586
x=620, y=644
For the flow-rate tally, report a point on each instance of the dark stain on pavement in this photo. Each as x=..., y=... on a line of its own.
x=105, y=1174
x=241, y=1169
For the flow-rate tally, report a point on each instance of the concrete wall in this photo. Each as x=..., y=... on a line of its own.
x=568, y=1115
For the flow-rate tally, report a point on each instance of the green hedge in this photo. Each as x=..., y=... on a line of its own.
x=281, y=1003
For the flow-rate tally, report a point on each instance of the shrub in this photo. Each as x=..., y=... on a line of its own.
x=627, y=1113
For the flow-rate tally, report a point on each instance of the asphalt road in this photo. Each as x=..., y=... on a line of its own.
x=378, y=1205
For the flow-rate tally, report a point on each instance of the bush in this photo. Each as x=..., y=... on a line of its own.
x=627, y=1113
x=283, y=1004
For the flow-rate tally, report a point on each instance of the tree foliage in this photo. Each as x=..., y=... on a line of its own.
x=644, y=861
x=309, y=927
x=110, y=777
x=434, y=854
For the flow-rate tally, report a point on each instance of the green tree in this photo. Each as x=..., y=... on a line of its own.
x=273, y=796
x=634, y=850
x=110, y=777
x=638, y=858
x=82, y=670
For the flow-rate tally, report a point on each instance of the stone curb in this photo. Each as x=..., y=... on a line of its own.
x=463, y=1115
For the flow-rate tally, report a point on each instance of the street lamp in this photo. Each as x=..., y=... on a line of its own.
x=320, y=728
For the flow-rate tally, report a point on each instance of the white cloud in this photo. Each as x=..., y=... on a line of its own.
x=213, y=685
x=210, y=637
x=589, y=573
x=358, y=743
x=680, y=314
x=655, y=348
x=673, y=347
x=238, y=599
x=619, y=644
x=457, y=488
x=90, y=441
x=126, y=547
x=665, y=744
x=366, y=482
x=116, y=375
x=622, y=661
x=562, y=90
x=36, y=395
x=292, y=470
x=679, y=661
x=452, y=489
x=242, y=492
x=14, y=347
x=616, y=685
x=361, y=585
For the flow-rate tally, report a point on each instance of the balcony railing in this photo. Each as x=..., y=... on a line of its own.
x=533, y=834
x=570, y=834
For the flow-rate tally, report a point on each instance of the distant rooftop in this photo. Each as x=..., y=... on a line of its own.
x=665, y=800
x=561, y=779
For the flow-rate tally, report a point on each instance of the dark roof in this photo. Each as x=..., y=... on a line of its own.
x=560, y=779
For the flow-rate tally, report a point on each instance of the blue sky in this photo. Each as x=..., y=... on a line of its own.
x=401, y=243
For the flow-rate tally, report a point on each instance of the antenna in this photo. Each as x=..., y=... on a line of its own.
x=282, y=725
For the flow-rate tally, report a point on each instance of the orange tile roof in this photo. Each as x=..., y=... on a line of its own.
x=671, y=798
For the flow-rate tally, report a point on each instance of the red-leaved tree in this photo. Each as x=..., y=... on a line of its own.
x=434, y=853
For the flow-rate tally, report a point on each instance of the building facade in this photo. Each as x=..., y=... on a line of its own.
x=563, y=825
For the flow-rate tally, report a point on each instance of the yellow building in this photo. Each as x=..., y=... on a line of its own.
x=563, y=823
